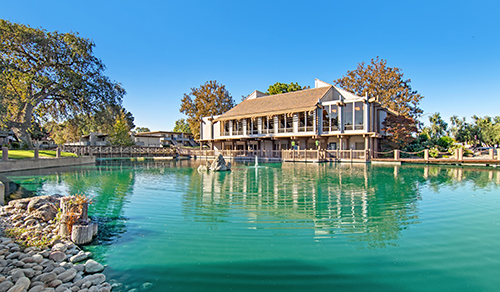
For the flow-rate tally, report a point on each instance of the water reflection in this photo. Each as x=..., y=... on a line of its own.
x=367, y=203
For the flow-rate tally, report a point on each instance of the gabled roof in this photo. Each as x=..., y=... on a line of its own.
x=302, y=100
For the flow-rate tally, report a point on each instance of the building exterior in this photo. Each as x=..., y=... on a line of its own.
x=93, y=139
x=163, y=138
x=324, y=117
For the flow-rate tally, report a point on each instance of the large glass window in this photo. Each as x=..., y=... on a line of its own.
x=348, y=117
x=334, y=114
x=281, y=124
x=265, y=125
x=270, y=121
x=237, y=127
x=326, y=119
x=255, y=126
x=358, y=115
x=225, y=127
x=310, y=121
x=289, y=124
x=302, y=122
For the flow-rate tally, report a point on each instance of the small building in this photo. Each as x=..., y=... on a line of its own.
x=324, y=117
x=164, y=138
x=92, y=139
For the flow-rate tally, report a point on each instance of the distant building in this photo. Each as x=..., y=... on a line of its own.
x=93, y=139
x=325, y=117
x=164, y=138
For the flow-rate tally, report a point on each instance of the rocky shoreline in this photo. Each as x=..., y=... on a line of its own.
x=33, y=258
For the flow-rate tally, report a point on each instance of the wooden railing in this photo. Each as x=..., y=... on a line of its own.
x=121, y=151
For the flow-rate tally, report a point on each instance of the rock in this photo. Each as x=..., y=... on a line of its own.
x=48, y=290
x=30, y=222
x=45, y=253
x=219, y=164
x=21, y=285
x=37, y=288
x=48, y=277
x=59, y=247
x=57, y=256
x=38, y=258
x=87, y=284
x=28, y=272
x=104, y=289
x=46, y=213
x=95, y=279
x=28, y=260
x=146, y=286
x=81, y=256
x=93, y=289
x=67, y=275
x=5, y=285
x=37, y=202
x=58, y=270
x=79, y=267
x=16, y=275
x=54, y=283
x=92, y=266
x=13, y=255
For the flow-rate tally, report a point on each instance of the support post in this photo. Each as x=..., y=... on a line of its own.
x=426, y=154
x=498, y=157
x=492, y=154
x=5, y=154
x=35, y=153
x=396, y=154
x=2, y=193
x=58, y=152
x=460, y=154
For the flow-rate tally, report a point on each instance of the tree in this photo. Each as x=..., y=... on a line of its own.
x=279, y=87
x=142, y=130
x=49, y=74
x=120, y=135
x=400, y=128
x=210, y=99
x=438, y=126
x=386, y=84
x=182, y=126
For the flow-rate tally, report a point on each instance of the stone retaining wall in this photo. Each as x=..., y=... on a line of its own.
x=27, y=164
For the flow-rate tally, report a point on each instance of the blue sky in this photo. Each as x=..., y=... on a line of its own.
x=158, y=50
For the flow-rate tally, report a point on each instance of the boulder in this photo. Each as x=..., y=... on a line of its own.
x=219, y=164
x=57, y=256
x=92, y=266
x=46, y=212
x=37, y=202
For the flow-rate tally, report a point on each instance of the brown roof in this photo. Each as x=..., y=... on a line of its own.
x=302, y=100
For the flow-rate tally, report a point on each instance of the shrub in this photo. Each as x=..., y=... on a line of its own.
x=434, y=152
x=14, y=145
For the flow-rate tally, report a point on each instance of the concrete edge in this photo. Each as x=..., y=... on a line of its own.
x=30, y=164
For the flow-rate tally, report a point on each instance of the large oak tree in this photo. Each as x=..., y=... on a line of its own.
x=388, y=86
x=210, y=99
x=278, y=88
x=49, y=74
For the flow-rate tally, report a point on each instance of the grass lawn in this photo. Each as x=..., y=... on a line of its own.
x=23, y=154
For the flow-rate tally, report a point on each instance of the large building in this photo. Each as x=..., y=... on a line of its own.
x=325, y=117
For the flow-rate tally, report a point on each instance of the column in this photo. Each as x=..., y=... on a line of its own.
x=5, y=154
x=35, y=153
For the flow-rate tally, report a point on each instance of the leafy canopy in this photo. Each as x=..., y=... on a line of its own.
x=210, y=99
x=387, y=84
x=49, y=75
x=182, y=126
x=120, y=135
x=279, y=87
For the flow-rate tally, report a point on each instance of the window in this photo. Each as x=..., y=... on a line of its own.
x=348, y=116
x=334, y=114
x=302, y=122
x=289, y=124
x=270, y=121
x=326, y=119
x=281, y=123
x=255, y=127
x=358, y=115
x=310, y=121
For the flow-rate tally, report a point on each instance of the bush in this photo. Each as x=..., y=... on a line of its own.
x=434, y=152
x=14, y=145
x=25, y=146
x=445, y=143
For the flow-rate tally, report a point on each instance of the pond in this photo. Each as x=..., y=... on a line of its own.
x=289, y=227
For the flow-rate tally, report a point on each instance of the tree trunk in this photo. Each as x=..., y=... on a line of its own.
x=22, y=134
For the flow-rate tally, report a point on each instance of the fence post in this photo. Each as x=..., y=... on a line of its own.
x=492, y=154
x=460, y=154
x=35, y=152
x=396, y=154
x=350, y=154
x=5, y=154
x=426, y=154
x=2, y=192
x=58, y=152
x=367, y=153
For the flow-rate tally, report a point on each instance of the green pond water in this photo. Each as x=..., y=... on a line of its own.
x=289, y=227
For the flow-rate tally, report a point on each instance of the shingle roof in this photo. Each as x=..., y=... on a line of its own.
x=302, y=100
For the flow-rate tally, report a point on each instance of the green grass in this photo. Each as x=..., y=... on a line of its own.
x=24, y=154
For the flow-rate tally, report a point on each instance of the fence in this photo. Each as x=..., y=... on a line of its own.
x=121, y=151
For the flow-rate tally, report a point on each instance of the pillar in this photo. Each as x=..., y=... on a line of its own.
x=426, y=154
x=492, y=154
x=498, y=154
x=396, y=154
x=460, y=154
x=58, y=152
x=35, y=153
x=2, y=193
x=5, y=154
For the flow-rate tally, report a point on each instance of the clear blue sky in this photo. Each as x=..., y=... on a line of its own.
x=158, y=50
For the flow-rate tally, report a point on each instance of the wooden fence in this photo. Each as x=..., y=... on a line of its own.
x=121, y=151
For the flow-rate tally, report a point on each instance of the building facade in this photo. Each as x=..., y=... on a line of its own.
x=324, y=117
x=164, y=138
